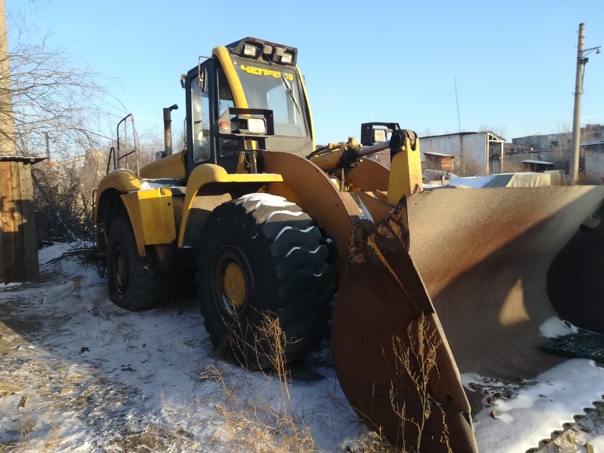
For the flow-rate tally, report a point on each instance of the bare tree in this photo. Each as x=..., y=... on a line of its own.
x=53, y=95
x=55, y=106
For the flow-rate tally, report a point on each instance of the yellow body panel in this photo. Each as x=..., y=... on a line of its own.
x=369, y=175
x=210, y=173
x=169, y=167
x=405, y=173
x=121, y=180
x=151, y=215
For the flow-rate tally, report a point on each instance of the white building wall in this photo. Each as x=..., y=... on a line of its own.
x=594, y=167
x=470, y=151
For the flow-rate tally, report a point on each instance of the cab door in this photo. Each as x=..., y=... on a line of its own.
x=208, y=96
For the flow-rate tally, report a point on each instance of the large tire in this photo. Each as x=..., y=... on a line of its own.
x=134, y=283
x=261, y=255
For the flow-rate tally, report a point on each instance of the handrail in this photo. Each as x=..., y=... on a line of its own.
x=115, y=152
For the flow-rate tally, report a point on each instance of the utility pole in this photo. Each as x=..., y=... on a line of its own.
x=576, y=137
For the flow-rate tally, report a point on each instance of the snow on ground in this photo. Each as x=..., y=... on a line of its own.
x=535, y=409
x=80, y=374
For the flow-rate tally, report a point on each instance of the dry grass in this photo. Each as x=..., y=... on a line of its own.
x=263, y=420
x=415, y=360
x=152, y=438
x=414, y=367
x=77, y=286
x=33, y=437
x=256, y=417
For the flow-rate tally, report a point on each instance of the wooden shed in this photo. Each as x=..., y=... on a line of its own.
x=538, y=166
x=19, y=257
x=439, y=161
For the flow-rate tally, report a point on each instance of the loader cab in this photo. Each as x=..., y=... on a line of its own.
x=249, y=73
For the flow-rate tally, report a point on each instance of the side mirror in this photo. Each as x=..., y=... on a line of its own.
x=373, y=133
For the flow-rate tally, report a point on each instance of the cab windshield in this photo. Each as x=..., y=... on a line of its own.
x=277, y=89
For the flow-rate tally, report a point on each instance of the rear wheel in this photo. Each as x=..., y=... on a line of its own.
x=134, y=283
x=261, y=255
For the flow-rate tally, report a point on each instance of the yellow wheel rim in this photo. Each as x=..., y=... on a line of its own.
x=233, y=285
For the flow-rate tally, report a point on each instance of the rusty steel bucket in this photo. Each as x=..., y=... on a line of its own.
x=472, y=274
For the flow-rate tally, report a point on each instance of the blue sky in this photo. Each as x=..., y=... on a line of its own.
x=513, y=62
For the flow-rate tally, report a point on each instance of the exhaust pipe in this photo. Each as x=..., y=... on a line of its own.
x=168, y=129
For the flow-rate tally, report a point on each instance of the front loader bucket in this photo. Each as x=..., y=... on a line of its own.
x=479, y=270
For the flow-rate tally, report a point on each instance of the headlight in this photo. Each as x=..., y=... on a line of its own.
x=254, y=125
x=250, y=50
x=287, y=58
x=241, y=125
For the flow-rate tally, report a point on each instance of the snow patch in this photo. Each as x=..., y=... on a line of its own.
x=52, y=252
x=284, y=212
x=539, y=408
x=555, y=327
x=156, y=184
x=293, y=249
x=266, y=199
x=284, y=229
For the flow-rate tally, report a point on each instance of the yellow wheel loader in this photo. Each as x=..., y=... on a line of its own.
x=428, y=282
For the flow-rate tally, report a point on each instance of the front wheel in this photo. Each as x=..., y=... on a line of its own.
x=134, y=283
x=263, y=256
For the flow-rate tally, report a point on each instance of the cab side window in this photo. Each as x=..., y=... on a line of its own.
x=228, y=147
x=200, y=103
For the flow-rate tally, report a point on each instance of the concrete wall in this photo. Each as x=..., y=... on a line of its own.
x=547, y=142
x=470, y=151
x=594, y=166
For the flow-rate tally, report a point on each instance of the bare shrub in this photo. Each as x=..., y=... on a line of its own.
x=415, y=362
x=63, y=206
x=257, y=417
x=54, y=104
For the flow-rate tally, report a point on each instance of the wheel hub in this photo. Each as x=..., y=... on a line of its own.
x=233, y=286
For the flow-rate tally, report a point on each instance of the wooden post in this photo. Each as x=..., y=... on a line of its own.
x=19, y=247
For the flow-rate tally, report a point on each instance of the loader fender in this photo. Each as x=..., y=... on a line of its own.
x=151, y=214
x=217, y=185
x=150, y=211
x=309, y=187
x=120, y=180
